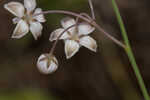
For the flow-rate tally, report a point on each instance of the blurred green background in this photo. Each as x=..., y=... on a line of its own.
x=105, y=75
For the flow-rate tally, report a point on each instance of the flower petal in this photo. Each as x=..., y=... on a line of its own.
x=89, y=43
x=15, y=8
x=21, y=29
x=30, y=5
x=85, y=28
x=36, y=29
x=39, y=18
x=43, y=64
x=55, y=34
x=67, y=22
x=71, y=47
x=16, y=20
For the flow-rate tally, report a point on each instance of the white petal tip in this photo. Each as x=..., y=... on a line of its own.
x=71, y=48
x=67, y=22
x=37, y=37
x=5, y=6
x=21, y=30
x=39, y=18
x=44, y=20
x=85, y=28
x=89, y=43
x=36, y=29
x=68, y=57
x=94, y=50
x=15, y=8
x=56, y=34
x=50, y=40
x=15, y=37
x=30, y=5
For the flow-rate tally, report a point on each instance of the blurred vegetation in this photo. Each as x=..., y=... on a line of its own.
x=26, y=94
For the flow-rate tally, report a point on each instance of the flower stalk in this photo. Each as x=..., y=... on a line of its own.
x=90, y=21
x=129, y=52
x=92, y=9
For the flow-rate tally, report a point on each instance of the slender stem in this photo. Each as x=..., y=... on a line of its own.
x=84, y=14
x=55, y=43
x=109, y=36
x=130, y=53
x=92, y=10
x=85, y=19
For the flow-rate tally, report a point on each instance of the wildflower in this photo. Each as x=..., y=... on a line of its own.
x=75, y=37
x=24, y=18
x=47, y=64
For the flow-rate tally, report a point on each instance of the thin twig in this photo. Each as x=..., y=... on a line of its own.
x=92, y=10
x=85, y=19
x=84, y=14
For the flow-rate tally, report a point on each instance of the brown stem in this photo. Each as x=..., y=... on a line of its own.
x=85, y=19
x=92, y=10
x=85, y=15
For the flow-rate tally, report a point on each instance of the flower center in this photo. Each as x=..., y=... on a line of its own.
x=75, y=37
x=28, y=17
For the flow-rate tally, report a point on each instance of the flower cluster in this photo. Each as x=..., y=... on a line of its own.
x=73, y=37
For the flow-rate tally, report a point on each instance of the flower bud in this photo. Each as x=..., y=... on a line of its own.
x=47, y=63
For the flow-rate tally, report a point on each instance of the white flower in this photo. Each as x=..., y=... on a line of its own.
x=24, y=19
x=47, y=64
x=75, y=37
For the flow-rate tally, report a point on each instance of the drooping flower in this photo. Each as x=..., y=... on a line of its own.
x=24, y=18
x=75, y=37
x=47, y=63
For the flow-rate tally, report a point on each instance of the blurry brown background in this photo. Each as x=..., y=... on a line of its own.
x=105, y=75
